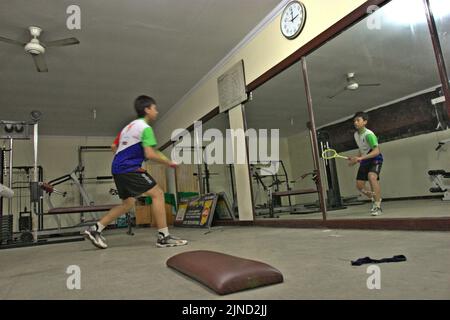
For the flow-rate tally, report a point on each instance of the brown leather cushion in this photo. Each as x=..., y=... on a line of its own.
x=224, y=273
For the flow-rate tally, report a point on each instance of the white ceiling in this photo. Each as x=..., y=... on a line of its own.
x=399, y=56
x=156, y=47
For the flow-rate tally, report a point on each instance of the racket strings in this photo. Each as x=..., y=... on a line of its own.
x=329, y=153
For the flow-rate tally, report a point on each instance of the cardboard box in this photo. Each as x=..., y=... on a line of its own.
x=144, y=215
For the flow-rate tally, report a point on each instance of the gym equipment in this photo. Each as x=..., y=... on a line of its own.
x=438, y=177
x=203, y=175
x=334, y=199
x=274, y=195
x=289, y=193
x=441, y=144
x=22, y=178
x=87, y=204
x=275, y=184
x=439, y=185
x=273, y=205
x=14, y=130
x=224, y=273
x=6, y=229
x=50, y=189
x=81, y=151
x=85, y=200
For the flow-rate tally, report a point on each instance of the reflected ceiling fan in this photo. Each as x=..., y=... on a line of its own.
x=37, y=48
x=353, y=85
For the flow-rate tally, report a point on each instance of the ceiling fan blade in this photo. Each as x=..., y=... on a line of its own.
x=10, y=41
x=62, y=42
x=40, y=63
x=337, y=93
x=370, y=84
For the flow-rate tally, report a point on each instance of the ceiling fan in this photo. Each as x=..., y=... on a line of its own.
x=37, y=49
x=353, y=85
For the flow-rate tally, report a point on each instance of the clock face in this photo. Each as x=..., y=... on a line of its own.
x=293, y=19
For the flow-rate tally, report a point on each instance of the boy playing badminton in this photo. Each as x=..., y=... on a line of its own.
x=370, y=161
x=134, y=144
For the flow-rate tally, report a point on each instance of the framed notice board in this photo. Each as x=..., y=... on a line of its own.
x=200, y=211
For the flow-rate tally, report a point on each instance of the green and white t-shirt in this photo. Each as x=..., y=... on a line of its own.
x=367, y=141
x=130, y=146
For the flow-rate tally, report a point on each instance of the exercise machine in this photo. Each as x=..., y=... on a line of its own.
x=334, y=199
x=439, y=178
x=87, y=204
x=11, y=131
x=274, y=193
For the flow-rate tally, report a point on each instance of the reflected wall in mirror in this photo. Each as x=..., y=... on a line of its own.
x=291, y=192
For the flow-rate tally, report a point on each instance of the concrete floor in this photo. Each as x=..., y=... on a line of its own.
x=391, y=209
x=315, y=264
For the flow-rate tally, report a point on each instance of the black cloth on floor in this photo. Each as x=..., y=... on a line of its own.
x=368, y=260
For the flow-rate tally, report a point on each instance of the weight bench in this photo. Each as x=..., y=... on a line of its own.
x=287, y=194
x=83, y=209
x=68, y=210
x=224, y=273
x=437, y=178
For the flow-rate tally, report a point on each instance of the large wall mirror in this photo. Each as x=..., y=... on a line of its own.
x=385, y=66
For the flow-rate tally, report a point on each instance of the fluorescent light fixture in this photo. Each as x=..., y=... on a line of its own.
x=405, y=12
x=411, y=12
x=440, y=8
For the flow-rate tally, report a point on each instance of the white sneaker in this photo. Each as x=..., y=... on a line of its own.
x=376, y=211
x=96, y=238
x=169, y=241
